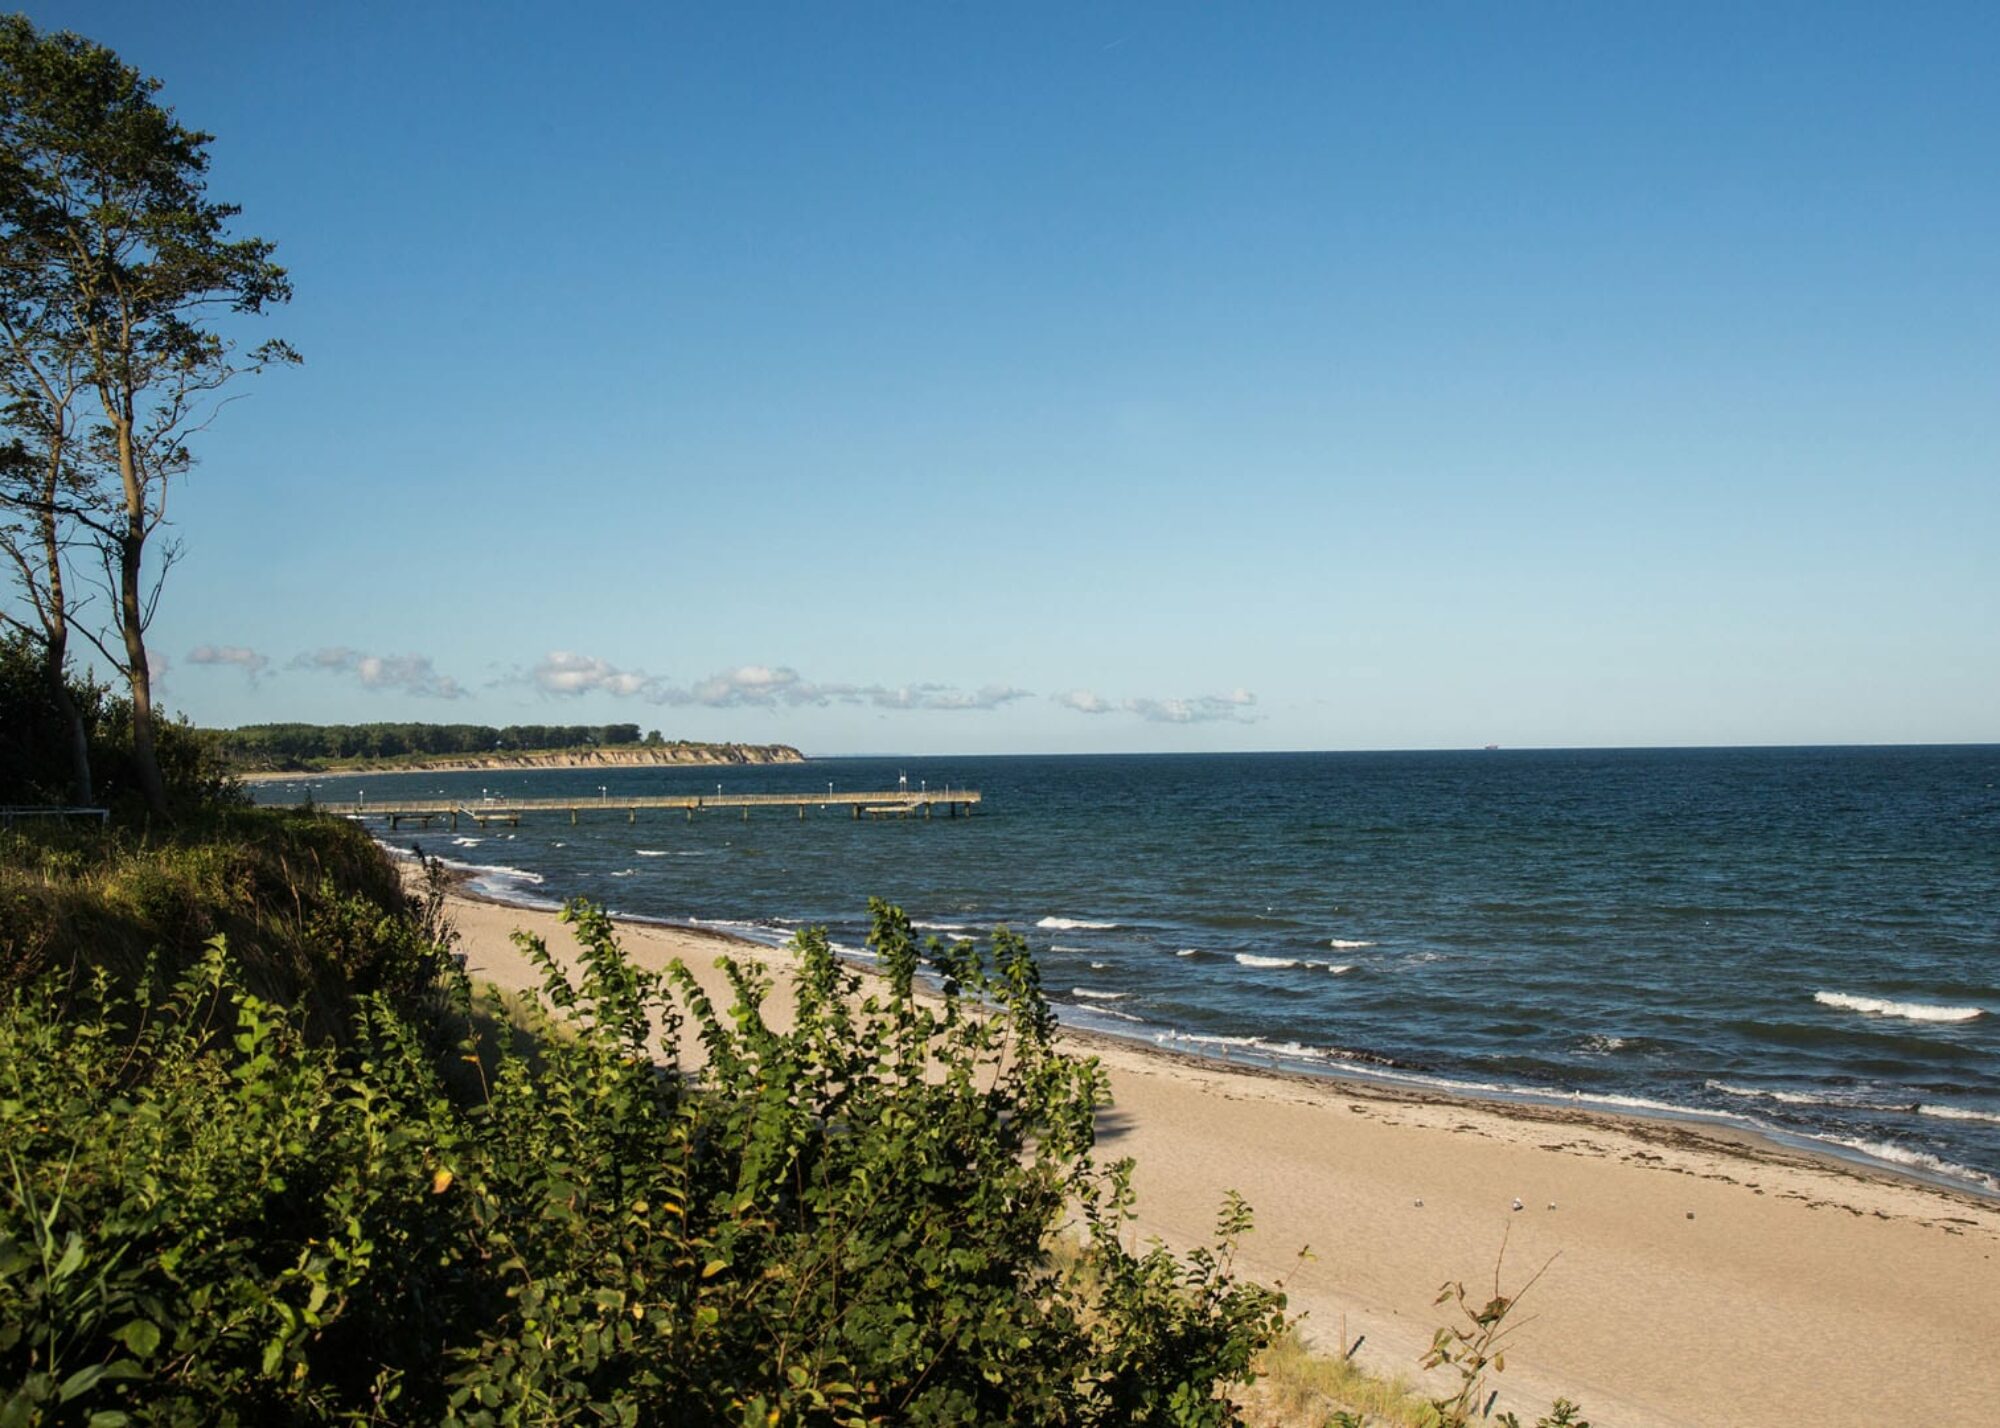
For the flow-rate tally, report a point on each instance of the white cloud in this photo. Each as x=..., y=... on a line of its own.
x=1203, y=709
x=1084, y=702
x=943, y=696
x=410, y=673
x=1206, y=709
x=756, y=685
x=249, y=661
x=767, y=686
x=565, y=672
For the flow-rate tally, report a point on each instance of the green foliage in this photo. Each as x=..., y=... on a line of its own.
x=1562, y=1414
x=34, y=747
x=205, y=1218
x=1476, y=1342
x=650, y=1209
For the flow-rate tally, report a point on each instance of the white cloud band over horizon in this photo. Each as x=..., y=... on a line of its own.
x=569, y=674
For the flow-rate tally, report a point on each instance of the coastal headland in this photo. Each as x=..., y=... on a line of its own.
x=641, y=756
x=1695, y=1275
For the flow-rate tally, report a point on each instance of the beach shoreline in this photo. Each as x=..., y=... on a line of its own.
x=1352, y=1072
x=1697, y=1273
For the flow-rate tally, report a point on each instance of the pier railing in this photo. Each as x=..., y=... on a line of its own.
x=897, y=802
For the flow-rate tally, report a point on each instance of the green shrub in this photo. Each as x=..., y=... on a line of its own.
x=205, y=1217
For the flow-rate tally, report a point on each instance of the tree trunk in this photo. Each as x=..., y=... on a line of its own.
x=55, y=641
x=80, y=790
x=132, y=625
x=132, y=600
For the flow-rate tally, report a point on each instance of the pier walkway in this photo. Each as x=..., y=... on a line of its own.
x=891, y=803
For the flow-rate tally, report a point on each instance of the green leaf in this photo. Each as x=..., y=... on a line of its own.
x=141, y=1336
x=85, y=1379
x=72, y=1258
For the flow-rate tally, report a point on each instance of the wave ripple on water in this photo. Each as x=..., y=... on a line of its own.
x=1645, y=926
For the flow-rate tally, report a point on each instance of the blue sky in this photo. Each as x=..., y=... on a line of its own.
x=1046, y=378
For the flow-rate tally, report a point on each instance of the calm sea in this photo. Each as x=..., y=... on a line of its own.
x=1804, y=940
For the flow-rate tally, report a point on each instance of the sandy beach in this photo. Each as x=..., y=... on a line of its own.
x=1695, y=1275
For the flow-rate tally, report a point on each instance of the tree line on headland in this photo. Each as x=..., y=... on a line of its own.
x=311, y=747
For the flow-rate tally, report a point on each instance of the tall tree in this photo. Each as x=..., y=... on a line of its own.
x=116, y=262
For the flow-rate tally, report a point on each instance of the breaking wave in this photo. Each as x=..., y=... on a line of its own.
x=1909, y=1011
x=1251, y=959
x=1920, y=1160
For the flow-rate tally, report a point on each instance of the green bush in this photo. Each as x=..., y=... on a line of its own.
x=207, y=1218
x=35, y=748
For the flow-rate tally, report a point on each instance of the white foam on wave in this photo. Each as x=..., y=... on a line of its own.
x=1074, y=924
x=651, y=852
x=1959, y=1113
x=1909, y=1011
x=1251, y=959
x=625, y=873
x=1091, y=994
x=1188, y=952
x=467, y=842
x=1345, y=944
x=481, y=871
x=1113, y=1012
x=1099, y=966
x=1288, y=1050
x=1783, y=1098
x=1920, y=1160
x=1598, y=1044
x=734, y=924
x=1057, y=947
x=940, y=926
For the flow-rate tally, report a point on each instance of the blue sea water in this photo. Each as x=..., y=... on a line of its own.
x=1802, y=940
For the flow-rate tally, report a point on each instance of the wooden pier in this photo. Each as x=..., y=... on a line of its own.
x=894, y=803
